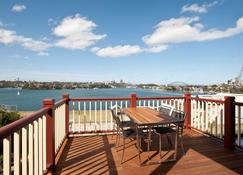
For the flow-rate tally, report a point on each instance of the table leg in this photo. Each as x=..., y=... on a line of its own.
x=149, y=141
x=176, y=141
x=138, y=146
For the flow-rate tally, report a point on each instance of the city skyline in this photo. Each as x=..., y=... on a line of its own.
x=197, y=42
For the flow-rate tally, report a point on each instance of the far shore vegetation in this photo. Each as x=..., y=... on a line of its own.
x=228, y=87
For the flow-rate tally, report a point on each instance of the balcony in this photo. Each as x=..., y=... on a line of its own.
x=73, y=136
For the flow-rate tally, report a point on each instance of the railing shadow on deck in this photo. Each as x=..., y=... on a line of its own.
x=203, y=155
x=97, y=155
x=91, y=155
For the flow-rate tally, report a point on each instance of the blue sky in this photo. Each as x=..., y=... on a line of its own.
x=197, y=42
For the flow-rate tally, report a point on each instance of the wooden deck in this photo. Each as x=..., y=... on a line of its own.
x=98, y=155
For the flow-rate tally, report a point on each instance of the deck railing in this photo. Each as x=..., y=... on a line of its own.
x=31, y=144
x=93, y=114
x=239, y=124
x=207, y=115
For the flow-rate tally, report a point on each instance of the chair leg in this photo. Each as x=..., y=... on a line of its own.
x=118, y=141
x=182, y=146
x=160, y=149
x=139, y=147
x=123, y=150
x=117, y=135
x=169, y=140
x=113, y=130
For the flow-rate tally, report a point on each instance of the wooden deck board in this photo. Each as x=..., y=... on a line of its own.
x=98, y=155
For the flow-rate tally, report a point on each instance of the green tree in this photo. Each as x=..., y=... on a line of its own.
x=6, y=118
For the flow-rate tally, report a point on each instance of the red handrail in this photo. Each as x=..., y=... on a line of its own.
x=124, y=98
x=208, y=100
x=7, y=130
x=159, y=98
x=100, y=99
x=238, y=104
x=59, y=103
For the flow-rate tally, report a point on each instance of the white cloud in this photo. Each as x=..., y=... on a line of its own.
x=18, y=8
x=126, y=50
x=8, y=37
x=156, y=49
x=117, y=51
x=43, y=54
x=76, y=32
x=178, y=30
x=196, y=8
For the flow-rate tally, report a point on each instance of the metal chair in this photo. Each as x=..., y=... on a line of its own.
x=169, y=131
x=127, y=132
x=166, y=109
x=116, y=113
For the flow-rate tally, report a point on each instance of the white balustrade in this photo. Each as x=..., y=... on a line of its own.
x=60, y=125
x=208, y=117
x=29, y=149
x=94, y=115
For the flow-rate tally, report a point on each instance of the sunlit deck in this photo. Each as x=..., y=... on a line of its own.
x=98, y=155
x=32, y=144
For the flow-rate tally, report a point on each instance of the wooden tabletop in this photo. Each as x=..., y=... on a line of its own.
x=148, y=116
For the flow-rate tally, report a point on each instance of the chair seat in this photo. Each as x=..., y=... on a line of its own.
x=129, y=133
x=127, y=123
x=164, y=130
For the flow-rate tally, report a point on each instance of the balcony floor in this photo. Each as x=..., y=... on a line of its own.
x=98, y=155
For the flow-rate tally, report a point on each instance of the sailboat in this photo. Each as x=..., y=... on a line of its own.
x=18, y=93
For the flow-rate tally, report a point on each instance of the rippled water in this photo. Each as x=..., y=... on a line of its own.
x=32, y=99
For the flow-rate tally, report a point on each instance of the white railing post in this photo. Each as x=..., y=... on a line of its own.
x=7, y=156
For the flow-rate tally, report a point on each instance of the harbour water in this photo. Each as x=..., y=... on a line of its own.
x=29, y=100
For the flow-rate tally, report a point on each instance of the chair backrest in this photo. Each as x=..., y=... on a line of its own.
x=179, y=114
x=116, y=108
x=166, y=109
x=117, y=115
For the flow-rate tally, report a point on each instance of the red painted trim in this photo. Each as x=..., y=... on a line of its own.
x=121, y=98
x=229, y=120
x=60, y=146
x=208, y=100
x=133, y=101
x=239, y=147
x=238, y=104
x=99, y=99
x=50, y=133
x=208, y=134
x=159, y=98
x=187, y=110
x=91, y=132
x=59, y=103
x=7, y=130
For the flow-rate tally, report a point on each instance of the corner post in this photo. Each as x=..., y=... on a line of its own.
x=67, y=99
x=229, y=123
x=187, y=109
x=133, y=100
x=50, y=134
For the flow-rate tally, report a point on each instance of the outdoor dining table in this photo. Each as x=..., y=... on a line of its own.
x=149, y=118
